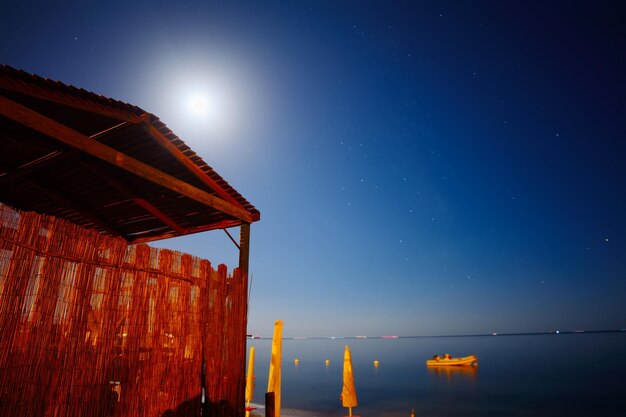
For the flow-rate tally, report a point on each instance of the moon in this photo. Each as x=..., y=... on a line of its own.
x=200, y=105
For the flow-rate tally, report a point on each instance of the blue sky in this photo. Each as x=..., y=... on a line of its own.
x=420, y=167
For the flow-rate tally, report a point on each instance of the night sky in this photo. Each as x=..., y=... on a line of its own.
x=420, y=167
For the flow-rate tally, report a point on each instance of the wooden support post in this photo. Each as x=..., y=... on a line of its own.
x=244, y=248
x=244, y=258
x=270, y=407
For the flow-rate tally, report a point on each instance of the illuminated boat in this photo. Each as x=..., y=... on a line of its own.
x=448, y=360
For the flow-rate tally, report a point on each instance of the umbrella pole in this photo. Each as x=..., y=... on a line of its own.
x=350, y=411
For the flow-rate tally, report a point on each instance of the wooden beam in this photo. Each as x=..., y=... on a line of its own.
x=54, y=156
x=136, y=199
x=193, y=168
x=151, y=237
x=159, y=215
x=14, y=173
x=62, y=133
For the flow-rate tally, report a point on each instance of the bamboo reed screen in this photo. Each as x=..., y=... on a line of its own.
x=90, y=326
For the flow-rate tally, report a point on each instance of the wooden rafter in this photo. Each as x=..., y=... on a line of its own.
x=54, y=156
x=152, y=236
x=64, y=134
x=79, y=208
x=187, y=163
x=136, y=199
x=30, y=167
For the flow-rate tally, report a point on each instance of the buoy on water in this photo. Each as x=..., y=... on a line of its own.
x=376, y=363
x=296, y=361
x=327, y=362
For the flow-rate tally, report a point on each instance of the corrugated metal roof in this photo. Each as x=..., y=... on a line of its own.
x=41, y=172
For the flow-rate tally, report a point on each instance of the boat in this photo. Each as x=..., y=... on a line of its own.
x=448, y=360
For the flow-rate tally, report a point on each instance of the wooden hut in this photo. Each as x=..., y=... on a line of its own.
x=85, y=180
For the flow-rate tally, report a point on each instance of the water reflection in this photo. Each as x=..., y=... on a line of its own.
x=448, y=373
x=542, y=371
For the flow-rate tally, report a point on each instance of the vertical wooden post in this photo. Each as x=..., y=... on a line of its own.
x=269, y=404
x=244, y=248
x=244, y=261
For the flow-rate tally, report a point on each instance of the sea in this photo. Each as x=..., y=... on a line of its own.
x=551, y=375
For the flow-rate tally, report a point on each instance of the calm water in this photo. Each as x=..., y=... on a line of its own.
x=537, y=375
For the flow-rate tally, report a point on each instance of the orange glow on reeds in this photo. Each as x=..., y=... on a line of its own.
x=92, y=326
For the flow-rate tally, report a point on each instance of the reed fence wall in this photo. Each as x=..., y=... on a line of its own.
x=91, y=326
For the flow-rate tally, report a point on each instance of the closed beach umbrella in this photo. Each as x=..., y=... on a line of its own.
x=273, y=384
x=250, y=381
x=348, y=393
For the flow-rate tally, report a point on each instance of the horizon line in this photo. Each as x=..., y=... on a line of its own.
x=550, y=332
